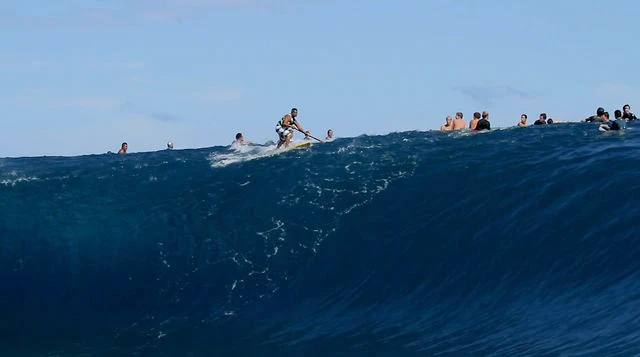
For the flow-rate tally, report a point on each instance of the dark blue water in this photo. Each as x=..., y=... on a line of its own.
x=514, y=242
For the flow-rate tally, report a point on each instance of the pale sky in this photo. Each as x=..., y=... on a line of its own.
x=81, y=77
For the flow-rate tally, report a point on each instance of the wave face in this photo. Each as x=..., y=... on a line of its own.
x=513, y=242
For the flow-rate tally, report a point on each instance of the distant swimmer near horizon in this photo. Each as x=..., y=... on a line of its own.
x=458, y=122
x=595, y=118
x=618, y=124
x=474, y=121
x=627, y=113
x=329, y=135
x=523, y=120
x=555, y=121
x=613, y=125
x=123, y=149
x=449, y=124
x=170, y=145
x=542, y=120
x=483, y=124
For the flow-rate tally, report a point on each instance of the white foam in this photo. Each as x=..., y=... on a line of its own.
x=240, y=153
x=15, y=178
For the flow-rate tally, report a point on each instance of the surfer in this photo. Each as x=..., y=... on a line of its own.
x=618, y=124
x=595, y=118
x=286, y=127
x=542, y=119
x=123, y=149
x=329, y=135
x=240, y=140
x=474, y=121
x=627, y=113
x=483, y=124
x=617, y=115
x=555, y=121
x=458, y=122
x=449, y=125
x=523, y=120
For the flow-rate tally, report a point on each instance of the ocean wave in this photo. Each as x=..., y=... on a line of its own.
x=514, y=242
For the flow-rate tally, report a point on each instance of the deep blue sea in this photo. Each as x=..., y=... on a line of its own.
x=514, y=242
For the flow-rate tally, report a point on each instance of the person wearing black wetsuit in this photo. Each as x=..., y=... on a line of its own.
x=483, y=124
x=596, y=118
x=627, y=113
x=542, y=120
x=617, y=115
x=618, y=124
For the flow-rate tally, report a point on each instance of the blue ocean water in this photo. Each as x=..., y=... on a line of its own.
x=514, y=242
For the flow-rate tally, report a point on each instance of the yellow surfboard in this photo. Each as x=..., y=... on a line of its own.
x=299, y=145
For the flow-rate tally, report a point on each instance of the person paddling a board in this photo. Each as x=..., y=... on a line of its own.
x=286, y=126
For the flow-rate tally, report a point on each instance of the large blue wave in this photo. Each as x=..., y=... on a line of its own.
x=519, y=241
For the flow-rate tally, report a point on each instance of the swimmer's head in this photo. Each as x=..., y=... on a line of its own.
x=170, y=145
x=617, y=114
x=483, y=125
x=600, y=111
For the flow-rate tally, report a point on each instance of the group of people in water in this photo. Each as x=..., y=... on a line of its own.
x=125, y=147
x=285, y=128
x=481, y=121
x=289, y=124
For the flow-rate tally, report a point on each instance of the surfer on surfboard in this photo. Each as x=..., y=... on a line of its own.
x=286, y=126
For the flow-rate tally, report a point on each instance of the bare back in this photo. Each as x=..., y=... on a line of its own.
x=459, y=124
